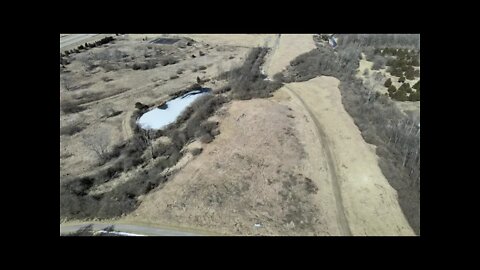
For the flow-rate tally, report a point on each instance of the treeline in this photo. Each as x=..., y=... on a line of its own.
x=87, y=46
x=247, y=81
x=396, y=136
x=379, y=40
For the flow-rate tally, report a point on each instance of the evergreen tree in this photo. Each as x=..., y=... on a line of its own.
x=392, y=89
x=410, y=74
x=416, y=73
x=417, y=86
x=415, y=62
x=405, y=88
x=399, y=95
x=415, y=96
x=388, y=82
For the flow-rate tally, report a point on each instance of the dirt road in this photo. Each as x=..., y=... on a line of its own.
x=341, y=219
x=68, y=42
x=369, y=203
x=286, y=48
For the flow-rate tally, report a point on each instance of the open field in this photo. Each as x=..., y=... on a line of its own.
x=99, y=91
x=275, y=148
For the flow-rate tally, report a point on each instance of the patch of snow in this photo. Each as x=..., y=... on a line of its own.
x=158, y=118
x=120, y=233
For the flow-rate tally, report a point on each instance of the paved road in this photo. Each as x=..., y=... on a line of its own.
x=68, y=42
x=341, y=219
x=128, y=228
x=75, y=38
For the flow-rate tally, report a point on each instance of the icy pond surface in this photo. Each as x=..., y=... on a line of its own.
x=159, y=118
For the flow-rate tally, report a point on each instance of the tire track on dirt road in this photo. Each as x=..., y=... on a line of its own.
x=268, y=62
x=341, y=218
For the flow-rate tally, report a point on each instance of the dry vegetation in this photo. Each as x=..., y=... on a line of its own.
x=137, y=167
x=135, y=164
x=396, y=135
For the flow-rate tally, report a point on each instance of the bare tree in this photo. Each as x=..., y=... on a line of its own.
x=148, y=136
x=378, y=62
x=98, y=143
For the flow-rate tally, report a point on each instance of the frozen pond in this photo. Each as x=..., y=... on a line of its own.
x=159, y=118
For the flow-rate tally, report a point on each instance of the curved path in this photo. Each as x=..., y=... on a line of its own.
x=341, y=219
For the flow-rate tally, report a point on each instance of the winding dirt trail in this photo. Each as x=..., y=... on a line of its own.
x=341, y=219
x=366, y=203
x=285, y=48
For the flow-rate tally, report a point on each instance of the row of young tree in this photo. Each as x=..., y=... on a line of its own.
x=404, y=92
x=87, y=45
x=409, y=41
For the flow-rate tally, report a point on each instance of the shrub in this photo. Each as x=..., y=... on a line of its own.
x=109, y=173
x=144, y=65
x=207, y=138
x=72, y=129
x=180, y=71
x=136, y=66
x=168, y=60
x=173, y=77
x=222, y=90
x=140, y=106
x=79, y=186
x=202, y=68
x=196, y=151
x=401, y=79
x=86, y=230
x=69, y=106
